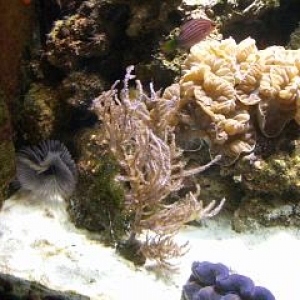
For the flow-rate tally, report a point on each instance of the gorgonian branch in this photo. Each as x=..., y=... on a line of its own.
x=152, y=166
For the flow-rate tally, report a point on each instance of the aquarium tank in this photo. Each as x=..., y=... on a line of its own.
x=150, y=149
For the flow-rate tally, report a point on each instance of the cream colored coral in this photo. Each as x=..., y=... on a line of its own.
x=222, y=80
x=168, y=106
x=244, y=49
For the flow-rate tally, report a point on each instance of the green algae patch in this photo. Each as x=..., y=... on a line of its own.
x=7, y=167
x=7, y=151
x=42, y=113
x=98, y=202
x=277, y=175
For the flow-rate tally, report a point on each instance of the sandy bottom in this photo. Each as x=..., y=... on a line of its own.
x=38, y=243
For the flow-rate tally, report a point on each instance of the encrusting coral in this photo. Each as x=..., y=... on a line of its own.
x=75, y=38
x=227, y=88
x=151, y=168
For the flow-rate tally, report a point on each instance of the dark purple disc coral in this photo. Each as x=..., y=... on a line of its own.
x=213, y=281
x=231, y=297
x=189, y=289
x=208, y=273
x=47, y=169
x=261, y=293
x=235, y=283
x=207, y=293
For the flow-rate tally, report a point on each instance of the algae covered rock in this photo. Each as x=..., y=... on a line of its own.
x=42, y=113
x=276, y=175
x=294, y=42
x=7, y=151
x=259, y=211
x=80, y=88
x=75, y=38
x=270, y=184
x=97, y=204
x=107, y=36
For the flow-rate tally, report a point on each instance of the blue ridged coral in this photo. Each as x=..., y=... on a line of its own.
x=213, y=281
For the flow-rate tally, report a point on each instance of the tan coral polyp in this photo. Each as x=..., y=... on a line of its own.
x=225, y=81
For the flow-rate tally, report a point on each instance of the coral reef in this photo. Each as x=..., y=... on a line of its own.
x=215, y=281
x=103, y=37
x=151, y=167
x=227, y=88
x=89, y=47
x=98, y=33
x=77, y=92
x=85, y=50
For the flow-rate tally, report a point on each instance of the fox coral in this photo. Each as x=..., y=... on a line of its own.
x=152, y=168
x=225, y=85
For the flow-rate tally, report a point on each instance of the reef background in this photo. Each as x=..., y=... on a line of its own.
x=57, y=56
x=68, y=52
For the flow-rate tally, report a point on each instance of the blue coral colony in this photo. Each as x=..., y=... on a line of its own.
x=213, y=281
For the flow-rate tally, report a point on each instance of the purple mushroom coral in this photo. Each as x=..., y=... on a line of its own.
x=213, y=281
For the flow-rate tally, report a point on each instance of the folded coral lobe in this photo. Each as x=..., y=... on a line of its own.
x=47, y=169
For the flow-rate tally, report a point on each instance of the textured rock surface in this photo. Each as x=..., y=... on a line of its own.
x=16, y=29
x=15, y=35
x=256, y=212
x=98, y=201
x=16, y=288
x=7, y=153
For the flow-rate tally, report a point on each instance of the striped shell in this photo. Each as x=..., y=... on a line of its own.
x=194, y=31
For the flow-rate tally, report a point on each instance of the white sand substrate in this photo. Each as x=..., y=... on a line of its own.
x=38, y=243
